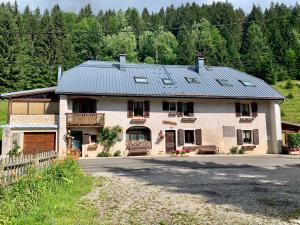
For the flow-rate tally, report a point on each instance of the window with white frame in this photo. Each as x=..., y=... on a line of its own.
x=247, y=136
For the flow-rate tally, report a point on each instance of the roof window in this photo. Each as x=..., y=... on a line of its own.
x=141, y=80
x=224, y=82
x=247, y=83
x=167, y=81
x=192, y=80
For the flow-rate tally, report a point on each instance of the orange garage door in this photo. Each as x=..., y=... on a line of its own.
x=37, y=142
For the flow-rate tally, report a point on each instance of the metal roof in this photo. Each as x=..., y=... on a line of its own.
x=27, y=92
x=106, y=78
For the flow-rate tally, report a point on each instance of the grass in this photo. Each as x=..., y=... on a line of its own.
x=50, y=196
x=291, y=107
x=3, y=113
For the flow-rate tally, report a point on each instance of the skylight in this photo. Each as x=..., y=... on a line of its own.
x=224, y=82
x=192, y=80
x=247, y=83
x=167, y=81
x=141, y=80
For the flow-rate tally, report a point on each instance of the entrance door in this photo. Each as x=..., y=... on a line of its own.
x=77, y=141
x=170, y=141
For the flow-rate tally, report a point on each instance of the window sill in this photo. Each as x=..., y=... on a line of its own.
x=138, y=120
x=246, y=119
x=188, y=119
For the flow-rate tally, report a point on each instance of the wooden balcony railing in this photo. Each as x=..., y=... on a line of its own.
x=138, y=145
x=85, y=119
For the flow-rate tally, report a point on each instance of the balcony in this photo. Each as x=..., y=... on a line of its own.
x=85, y=119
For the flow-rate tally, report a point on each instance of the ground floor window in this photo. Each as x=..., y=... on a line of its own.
x=247, y=136
x=138, y=134
x=189, y=136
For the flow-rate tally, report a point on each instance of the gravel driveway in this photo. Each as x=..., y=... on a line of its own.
x=197, y=190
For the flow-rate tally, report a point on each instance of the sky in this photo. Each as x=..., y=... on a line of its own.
x=152, y=5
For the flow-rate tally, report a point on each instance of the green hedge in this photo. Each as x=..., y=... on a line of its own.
x=294, y=140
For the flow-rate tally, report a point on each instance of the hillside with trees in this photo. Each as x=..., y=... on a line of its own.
x=264, y=43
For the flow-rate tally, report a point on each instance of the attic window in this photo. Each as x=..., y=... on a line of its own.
x=247, y=83
x=192, y=80
x=167, y=81
x=141, y=80
x=224, y=82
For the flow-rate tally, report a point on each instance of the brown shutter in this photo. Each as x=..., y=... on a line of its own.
x=239, y=137
x=255, y=137
x=254, y=109
x=86, y=139
x=130, y=109
x=146, y=109
x=179, y=109
x=180, y=137
x=190, y=108
x=198, y=133
x=238, y=109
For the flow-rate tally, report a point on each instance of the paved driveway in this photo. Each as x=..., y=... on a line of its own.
x=261, y=185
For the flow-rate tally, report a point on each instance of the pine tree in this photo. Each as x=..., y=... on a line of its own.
x=187, y=49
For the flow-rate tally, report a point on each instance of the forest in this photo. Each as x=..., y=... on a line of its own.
x=264, y=43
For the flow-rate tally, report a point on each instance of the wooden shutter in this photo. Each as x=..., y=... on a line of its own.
x=198, y=133
x=86, y=139
x=255, y=137
x=190, y=108
x=146, y=109
x=254, y=109
x=179, y=109
x=130, y=109
x=180, y=137
x=238, y=109
x=239, y=137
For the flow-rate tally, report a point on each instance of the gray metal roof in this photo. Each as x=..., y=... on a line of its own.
x=27, y=92
x=106, y=78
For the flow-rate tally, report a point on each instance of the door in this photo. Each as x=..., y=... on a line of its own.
x=37, y=142
x=170, y=141
x=77, y=141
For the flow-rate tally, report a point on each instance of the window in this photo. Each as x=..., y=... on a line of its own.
x=84, y=106
x=247, y=136
x=138, y=134
x=247, y=83
x=93, y=138
x=141, y=80
x=224, y=82
x=34, y=108
x=192, y=80
x=169, y=106
x=245, y=109
x=167, y=81
x=138, y=108
x=189, y=136
x=188, y=108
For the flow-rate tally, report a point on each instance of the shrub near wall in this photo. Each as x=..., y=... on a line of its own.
x=294, y=140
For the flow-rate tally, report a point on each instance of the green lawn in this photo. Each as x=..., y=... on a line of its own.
x=291, y=107
x=3, y=114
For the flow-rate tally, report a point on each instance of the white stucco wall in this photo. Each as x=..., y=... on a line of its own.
x=211, y=116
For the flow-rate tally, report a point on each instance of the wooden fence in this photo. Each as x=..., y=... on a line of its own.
x=12, y=168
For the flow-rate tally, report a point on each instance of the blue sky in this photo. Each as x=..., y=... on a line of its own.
x=152, y=5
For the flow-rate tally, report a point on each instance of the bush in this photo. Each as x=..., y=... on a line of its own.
x=117, y=153
x=241, y=151
x=290, y=96
x=104, y=154
x=289, y=84
x=15, y=151
x=294, y=140
x=233, y=150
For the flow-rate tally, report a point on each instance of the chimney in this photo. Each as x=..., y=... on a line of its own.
x=200, y=64
x=122, y=59
x=59, y=74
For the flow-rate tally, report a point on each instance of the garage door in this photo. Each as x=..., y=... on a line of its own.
x=38, y=142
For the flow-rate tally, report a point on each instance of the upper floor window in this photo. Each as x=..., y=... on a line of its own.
x=167, y=81
x=34, y=108
x=138, y=109
x=224, y=82
x=192, y=80
x=169, y=106
x=84, y=106
x=187, y=108
x=141, y=80
x=245, y=109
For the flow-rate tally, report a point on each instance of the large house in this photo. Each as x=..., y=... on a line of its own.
x=159, y=107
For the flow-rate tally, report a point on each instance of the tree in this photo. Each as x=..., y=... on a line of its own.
x=258, y=56
x=210, y=43
x=108, y=137
x=187, y=49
